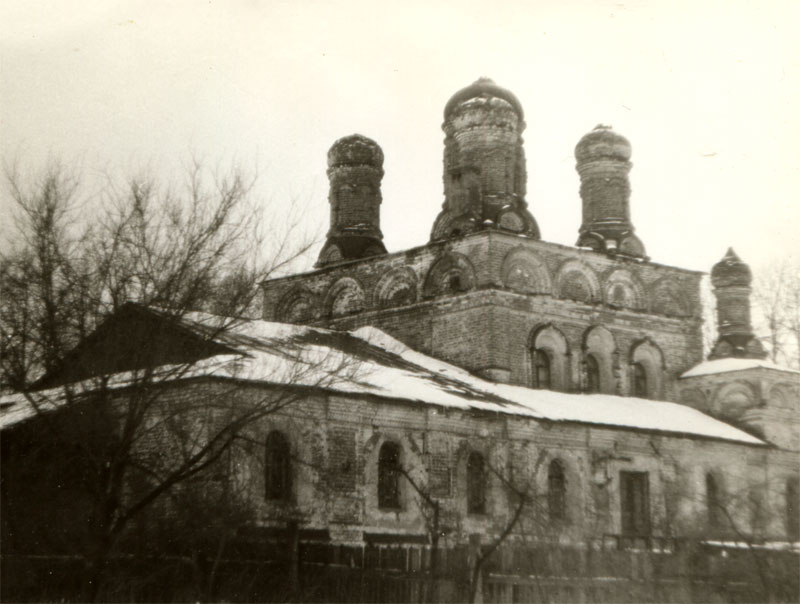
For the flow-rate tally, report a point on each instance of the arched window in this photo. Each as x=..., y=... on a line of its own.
x=639, y=380
x=792, y=509
x=541, y=369
x=713, y=503
x=389, y=476
x=556, y=491
x=476, y=484
x=277, y=468
x=592, y=374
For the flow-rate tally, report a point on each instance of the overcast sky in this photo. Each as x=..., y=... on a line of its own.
x=708, y=93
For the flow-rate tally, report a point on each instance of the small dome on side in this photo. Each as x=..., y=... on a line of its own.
x=355, y=150
x=603, y=142
x=355, y=170
x=483, y=87
x=730, y=271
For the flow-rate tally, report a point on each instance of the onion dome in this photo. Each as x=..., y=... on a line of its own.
x=731, y=271
x=602, y=143
x=486, y=88
x=603, y=165
x=484, y=173
x=355, y=150
x=355, y=170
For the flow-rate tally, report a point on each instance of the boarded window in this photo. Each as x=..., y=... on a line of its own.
x=541, y=369
x=476, y=484
x=713, y=503
x=634, y=503
x=277, y=468
x=592, y=374
x=389, y=476
x=639, y=379
x=342, y=460
x=792, y=509
x=556, y=491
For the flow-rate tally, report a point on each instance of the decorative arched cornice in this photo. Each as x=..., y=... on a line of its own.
x=647, y=342
x=695, y=397
x=666, y=298
x=783, y=393
x=450, y=273
x=390, y=288
x=524, y=271
x=545, y=328
x=723, y=398
x=601, y=332
x=573, y=275
x=298, y=305
x=634, y=296
x=345, y=296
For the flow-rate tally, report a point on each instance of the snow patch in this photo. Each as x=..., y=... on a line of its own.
x=725, y=365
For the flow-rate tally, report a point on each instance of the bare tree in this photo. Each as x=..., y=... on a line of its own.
x=67, y=271
x=776, y=298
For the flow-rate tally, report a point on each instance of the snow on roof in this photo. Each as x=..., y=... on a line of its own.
x=725, y=365
x=368, y=361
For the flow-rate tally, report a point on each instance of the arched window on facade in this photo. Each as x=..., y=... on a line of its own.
x=277, y=468
x=389, y=476
x=476, y=484
x=792, y=509
x=639, y=380
x=592, y=374
x=541, y=369
x=713, y=502
x=556, y=491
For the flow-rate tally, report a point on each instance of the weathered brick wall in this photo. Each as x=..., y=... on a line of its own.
x=474, y=302
x=762, y=399
x=335, y=442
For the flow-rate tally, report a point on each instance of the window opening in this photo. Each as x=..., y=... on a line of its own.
x=542, y=374
x=635, y=503
x=476, y=484
x=639, y=380
x=592, y=374
x=277, y=467
x=556, y=491
x=388, y=476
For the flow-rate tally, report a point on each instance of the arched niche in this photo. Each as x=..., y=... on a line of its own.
x=622, y=289
x=577, y=281
x=298, y=306
x=694, y=397
x=550, y=341
x=344, y=297
x=523, y=271
x=447, y=225
x=560, y=490
x=647, y=356
x=733, y=399
x=782, y=395
x=666, y=298
x=600, y=353
x=452, y=273
x=396, y=287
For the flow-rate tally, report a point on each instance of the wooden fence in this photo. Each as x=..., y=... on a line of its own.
x=604, y=570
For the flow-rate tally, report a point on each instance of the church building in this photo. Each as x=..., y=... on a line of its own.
x=599, y=322
x=484, y=387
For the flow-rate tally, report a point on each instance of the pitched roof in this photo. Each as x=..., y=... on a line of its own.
x=726, y=365
x=368, y=361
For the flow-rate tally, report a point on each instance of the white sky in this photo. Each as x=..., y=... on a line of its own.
x=707, y=92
